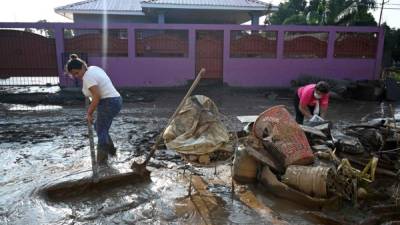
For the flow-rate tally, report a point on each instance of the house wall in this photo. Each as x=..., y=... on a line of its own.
x=179, y=16
x=173, y=16
x=86, y=18
x=133, y=71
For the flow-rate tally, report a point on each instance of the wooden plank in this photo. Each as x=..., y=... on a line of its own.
x=204, y=201
x=312, y=130
x=264, y=159
x=249, y=199
x=246, y=197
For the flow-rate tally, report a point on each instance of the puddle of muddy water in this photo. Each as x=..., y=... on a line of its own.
x=29, y=89
x=18, y=107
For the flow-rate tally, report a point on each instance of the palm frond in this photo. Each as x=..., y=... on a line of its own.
x=346, y=13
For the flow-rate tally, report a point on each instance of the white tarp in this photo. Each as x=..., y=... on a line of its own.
x=197, y=128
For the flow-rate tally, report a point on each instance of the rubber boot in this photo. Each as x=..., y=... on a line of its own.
x=112, y=151
x=102, y=154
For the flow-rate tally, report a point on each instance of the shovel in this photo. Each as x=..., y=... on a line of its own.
x=140, y=168
x=91, y=143
x=87, y=185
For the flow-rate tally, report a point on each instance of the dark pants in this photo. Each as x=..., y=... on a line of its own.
x=107, y=109
x=299, y=114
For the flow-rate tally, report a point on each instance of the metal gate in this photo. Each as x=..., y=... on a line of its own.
x=27, y=59
x=209, y=53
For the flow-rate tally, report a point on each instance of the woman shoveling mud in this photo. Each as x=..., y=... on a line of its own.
x=104, y=97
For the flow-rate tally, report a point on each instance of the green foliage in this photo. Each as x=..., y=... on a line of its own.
x=296, y=20
x=288, y=9
x=46, y=32
x=325, y=12
x=396, y=75
x=392, y=43
x=392, y=37
x=68, y=33
x=363, y=19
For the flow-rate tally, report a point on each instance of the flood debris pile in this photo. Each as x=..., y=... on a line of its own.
x=316, y=165
x=377, y=138
x=276, y=153
x=198, y=134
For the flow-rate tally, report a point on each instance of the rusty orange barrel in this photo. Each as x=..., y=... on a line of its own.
x=286, y=135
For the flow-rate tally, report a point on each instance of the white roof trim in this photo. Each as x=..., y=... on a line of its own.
x=209, y=7
x=110, y=12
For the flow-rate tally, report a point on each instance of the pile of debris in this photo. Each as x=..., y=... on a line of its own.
x=313, y=164
x=198, y=134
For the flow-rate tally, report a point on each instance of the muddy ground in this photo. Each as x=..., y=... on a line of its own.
x=46, y=145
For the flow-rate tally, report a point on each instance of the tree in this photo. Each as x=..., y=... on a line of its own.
x=299, y=19
x=325, y=12
x=354, y=12
x=288, y=9
x=268, y=12
x=46, y=32
x=315, y=12
x=392, y=45
x=28, y=30
x=68, y=33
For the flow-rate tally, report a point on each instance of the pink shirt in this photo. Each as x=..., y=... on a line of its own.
x=306, y=96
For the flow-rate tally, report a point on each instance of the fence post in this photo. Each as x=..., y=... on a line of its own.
x=279, y=43
x=226, y=55
x=331, y=44
x=379, y=53
x=131, y=43
x=59, y=35
x=192, y=49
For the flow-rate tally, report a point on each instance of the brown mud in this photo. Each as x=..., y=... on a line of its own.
x=44, y=146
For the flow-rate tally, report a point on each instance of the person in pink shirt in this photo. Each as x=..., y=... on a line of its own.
x=310, y=100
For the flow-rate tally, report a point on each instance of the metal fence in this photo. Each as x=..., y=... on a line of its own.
x=28, y=57
x=30, y=81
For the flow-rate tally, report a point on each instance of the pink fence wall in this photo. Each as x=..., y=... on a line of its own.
x=276, y=71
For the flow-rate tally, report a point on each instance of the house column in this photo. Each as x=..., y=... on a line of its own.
x=192, y=50
x=59, y=39
x=280, y=44
x=379, y=53
x=331, y=44
x=161, y=16
x=255, y=17
x=131, y=43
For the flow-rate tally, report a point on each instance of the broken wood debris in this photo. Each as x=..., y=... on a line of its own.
x=205, y=202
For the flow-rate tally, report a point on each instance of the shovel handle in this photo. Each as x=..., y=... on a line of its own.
x=91, y=143
x=189, y=92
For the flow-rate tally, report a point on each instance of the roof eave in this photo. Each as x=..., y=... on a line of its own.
x=64, y=12
x=177, y=6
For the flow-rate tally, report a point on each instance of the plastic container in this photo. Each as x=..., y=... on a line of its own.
x=310, y=180
x=244, y=166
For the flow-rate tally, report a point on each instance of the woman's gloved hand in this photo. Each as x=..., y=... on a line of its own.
x=316, y=118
